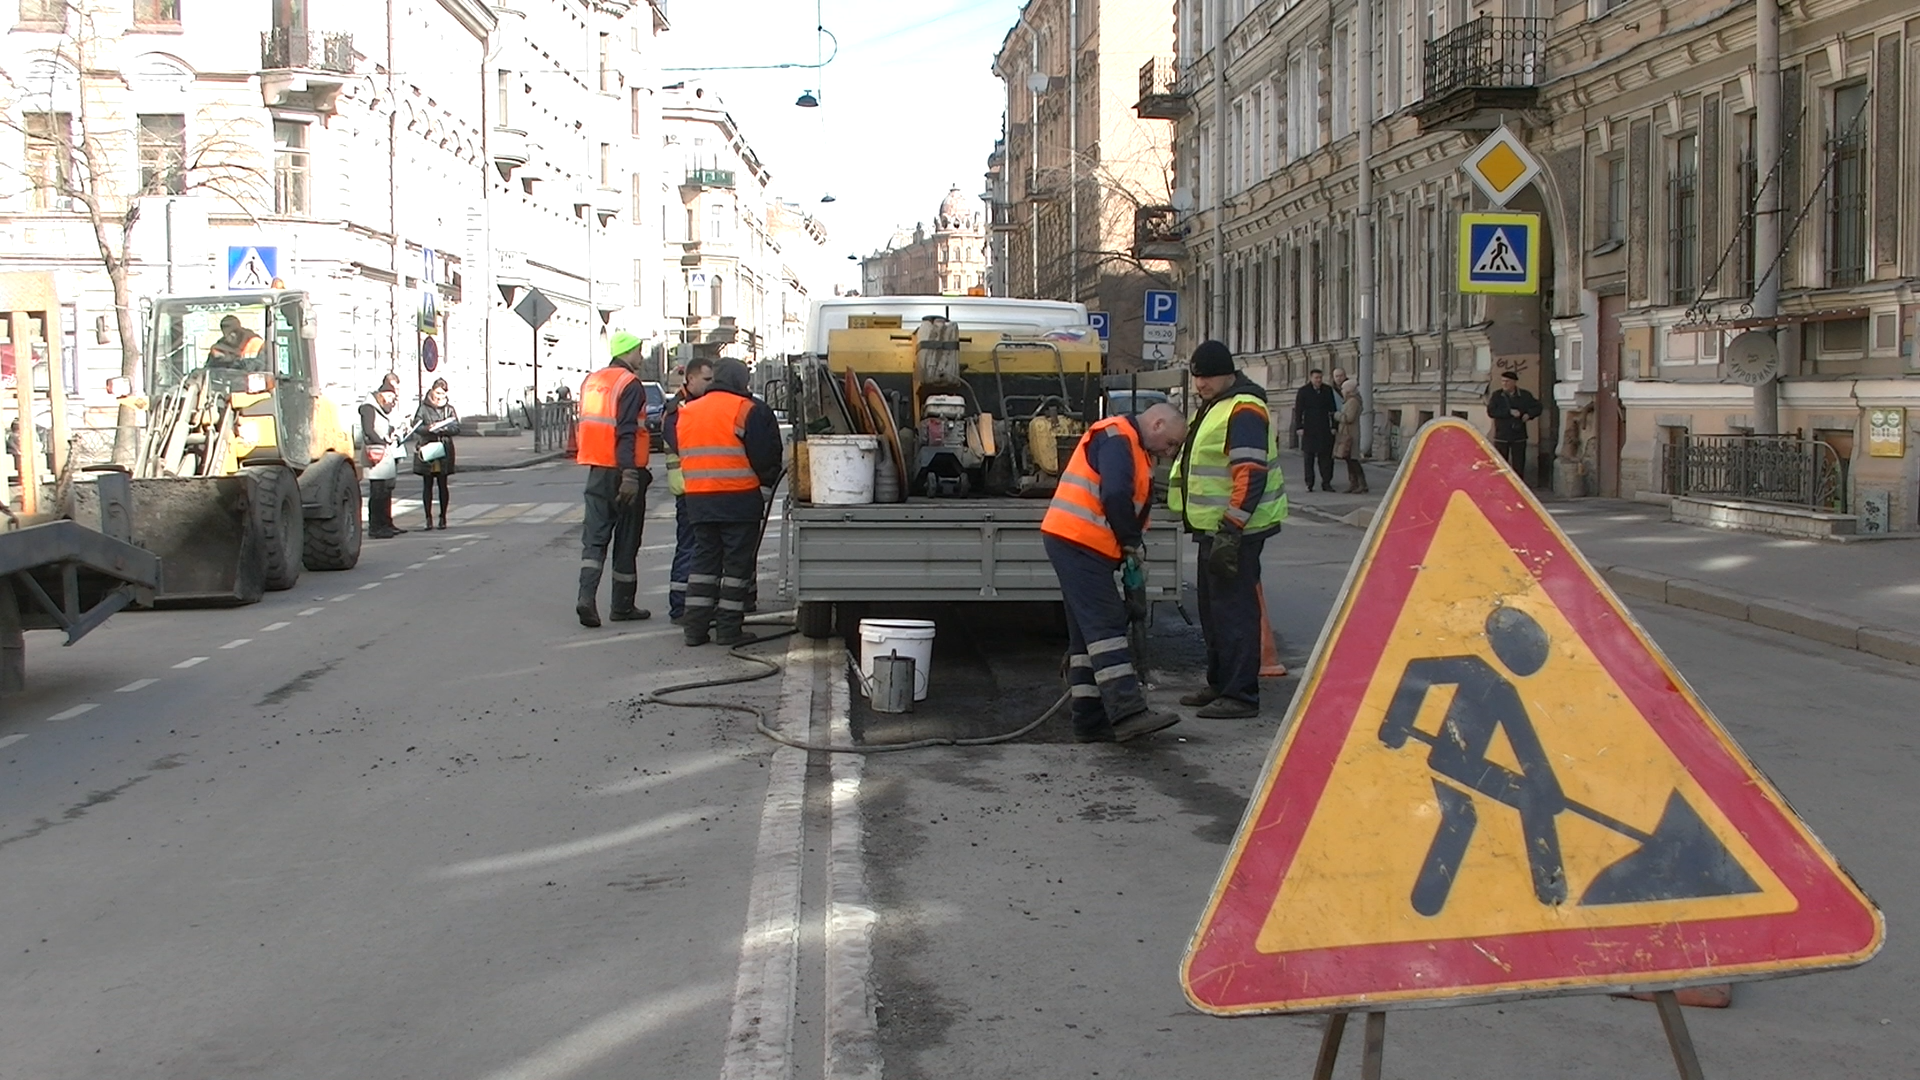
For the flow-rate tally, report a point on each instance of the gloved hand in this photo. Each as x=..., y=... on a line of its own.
x=1223, y=557
x=629, y=488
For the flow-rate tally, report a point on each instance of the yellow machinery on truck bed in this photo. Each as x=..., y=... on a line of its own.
x=246, y=473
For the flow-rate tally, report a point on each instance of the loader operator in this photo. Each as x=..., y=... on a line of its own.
x=730, y=456
x=612, y=440
x=1229, y=490
x=1098, y=519
x=694, y=379
x=237, y=346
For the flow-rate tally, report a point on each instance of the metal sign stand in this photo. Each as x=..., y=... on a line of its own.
x=1373, y=1051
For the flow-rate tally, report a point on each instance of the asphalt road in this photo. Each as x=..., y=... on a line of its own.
x=410, y=821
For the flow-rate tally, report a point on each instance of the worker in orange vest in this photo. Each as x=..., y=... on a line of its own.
x=729, y=446
x=612, y=441
x=1098, y=519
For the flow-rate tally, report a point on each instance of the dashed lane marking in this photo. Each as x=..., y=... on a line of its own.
x=136, y=686
x=13, y=738
x=271, y=627
x=369, y=585
x=192, y=661
x=396, y=575
x=416, y=566
x=342, y=596
x=430, y=558
x=237, y=642
x=68, y=714
x=312, y=611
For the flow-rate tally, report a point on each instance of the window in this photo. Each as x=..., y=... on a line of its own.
x=636, y=108
x=606, y=63
x=44, y=11
x=290, y=161
x=606, y=162
x=638, y=213
x=1683, y=220
x=163, y=152
x=156, y=12
x=1847, y=195
x=639, y=285
x=1303, y=102
x=50, y=159
x=1749, y=198
x=1342, y=81
x=503, y=89
x=719, y=288
x=716, y=224
x=1613, y=174
x=1236, y=123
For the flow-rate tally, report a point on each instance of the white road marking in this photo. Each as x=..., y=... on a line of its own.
x=417, y=566
x=553, y=853
x=136, y=685
x=68, y=714
x=543, y=513
x=852, y=1029
x=237, y=642
x=468, y=513
x=13, y=738
x=192, y=661
x=760, y=1034
x=271, y=627
x=430, y=558
x=312, y=611
x=369, y=585
x=396, y=574
x=342, y=596
x=612, y=1033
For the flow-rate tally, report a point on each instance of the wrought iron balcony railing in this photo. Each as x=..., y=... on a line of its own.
x=282, y=49
x=710, y=177
x=1488, y=53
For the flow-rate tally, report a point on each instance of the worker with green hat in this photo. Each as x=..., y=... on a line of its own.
x=612, y=442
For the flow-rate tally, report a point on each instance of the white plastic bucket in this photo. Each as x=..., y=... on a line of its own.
x=901, y=637
x=841, y=468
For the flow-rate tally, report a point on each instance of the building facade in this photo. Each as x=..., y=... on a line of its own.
x=1080, y=180
x=950, y=260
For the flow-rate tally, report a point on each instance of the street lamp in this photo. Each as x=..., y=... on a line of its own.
x=807, y=100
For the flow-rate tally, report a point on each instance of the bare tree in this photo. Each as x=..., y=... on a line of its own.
x=79, y=161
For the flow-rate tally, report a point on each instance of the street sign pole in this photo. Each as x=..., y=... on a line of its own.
x=1446, y=301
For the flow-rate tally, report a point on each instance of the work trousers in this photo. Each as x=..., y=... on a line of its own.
x=1317, y=449
x=1515, y=451
x=608, y=520
x=1230, y=622
x=682, y=558
x=379, y=506
x=719, y=579
x=1100, y=676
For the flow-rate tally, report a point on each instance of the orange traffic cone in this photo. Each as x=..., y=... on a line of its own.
x=1270, y=665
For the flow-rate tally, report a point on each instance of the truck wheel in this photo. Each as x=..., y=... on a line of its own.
x=815, y=619
x=333, y=543
x=277, y=520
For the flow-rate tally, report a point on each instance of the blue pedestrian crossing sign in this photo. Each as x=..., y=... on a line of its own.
x=251, y=266
x=1500, y=253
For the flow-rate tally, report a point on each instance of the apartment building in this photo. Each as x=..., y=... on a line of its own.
x=950, y=259
x=1079, y=175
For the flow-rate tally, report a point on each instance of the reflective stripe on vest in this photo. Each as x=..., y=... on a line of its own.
x=711, y=433
x=597, y=430
x=1076, y=513
x=1200, y=487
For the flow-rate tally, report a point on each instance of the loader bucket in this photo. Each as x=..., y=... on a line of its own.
x=202, y=529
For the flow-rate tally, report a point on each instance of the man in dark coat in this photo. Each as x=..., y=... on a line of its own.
x=1316, y=413
x=1510, y=408
x=729, y=446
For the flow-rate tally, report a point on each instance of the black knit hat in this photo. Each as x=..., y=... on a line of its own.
x=1212, y=359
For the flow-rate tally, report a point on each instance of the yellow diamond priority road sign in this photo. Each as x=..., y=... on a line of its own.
x=1501, y=166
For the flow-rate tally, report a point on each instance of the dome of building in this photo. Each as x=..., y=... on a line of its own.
x=958, y=210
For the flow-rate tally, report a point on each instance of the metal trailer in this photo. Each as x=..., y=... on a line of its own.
x=936, y=551
x=57, y=574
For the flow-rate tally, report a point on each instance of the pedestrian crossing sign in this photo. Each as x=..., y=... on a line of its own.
x=252, y=266
x=1493, y=785
x=1500, y=253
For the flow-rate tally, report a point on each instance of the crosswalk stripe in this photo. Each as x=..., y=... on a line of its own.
x=502, y=515
x=464, y=514
x=543, y=512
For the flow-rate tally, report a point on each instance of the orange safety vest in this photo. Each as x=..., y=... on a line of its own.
x=711, y=433
x=1076, y=513
x=594, y=434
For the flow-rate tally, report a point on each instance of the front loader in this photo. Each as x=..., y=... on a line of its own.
x=246, y=474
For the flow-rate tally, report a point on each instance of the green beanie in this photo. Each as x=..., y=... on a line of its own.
x=622, y=343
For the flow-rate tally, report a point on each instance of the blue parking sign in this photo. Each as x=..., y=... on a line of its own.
x=1101, y=322
x=1163, y=306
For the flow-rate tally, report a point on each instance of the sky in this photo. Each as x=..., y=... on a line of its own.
x=908, y=108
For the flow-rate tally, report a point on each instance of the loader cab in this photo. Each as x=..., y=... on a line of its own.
x=252, y=346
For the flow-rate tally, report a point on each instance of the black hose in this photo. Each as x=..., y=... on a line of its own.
x=770, y=667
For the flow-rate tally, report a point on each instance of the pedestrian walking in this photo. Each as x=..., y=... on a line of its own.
x=435, y=423
x=1096, y=523
x=1510, y=408
x=612, y=443
x=1347, y=439
x=1315, y=413
x=694, y=381
x=1231, y=493
x=729, y=446
x=380, y=451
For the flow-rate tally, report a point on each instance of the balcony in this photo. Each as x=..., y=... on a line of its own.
x=1000, y=217
x=608, y=202
x=1157, y=234
x=1161, y=97
x=721, y=178
x=507, y=148
x=1481, y=69
x=304, y=70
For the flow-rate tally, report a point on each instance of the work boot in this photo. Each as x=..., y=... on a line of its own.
x=732, y=638
x=1227, y=708
x=623, y=609
x=1145, y=722
x=1205, y=696
x=587, y=606
x=1103, y=733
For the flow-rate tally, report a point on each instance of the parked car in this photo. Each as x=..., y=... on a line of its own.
x=656, y=412
x=1133, y=402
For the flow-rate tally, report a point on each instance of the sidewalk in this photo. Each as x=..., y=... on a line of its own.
x=1862, y=596
x=494, y=452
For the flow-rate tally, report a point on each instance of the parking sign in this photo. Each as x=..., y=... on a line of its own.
x=1100, y=321
x=1163, y=306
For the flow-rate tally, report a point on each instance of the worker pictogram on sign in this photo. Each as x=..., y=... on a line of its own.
x=1493, y=785
x=1500, y=253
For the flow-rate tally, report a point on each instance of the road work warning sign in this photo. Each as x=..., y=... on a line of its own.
x=1492, y=784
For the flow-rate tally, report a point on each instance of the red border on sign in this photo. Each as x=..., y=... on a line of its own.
x=1834, y=924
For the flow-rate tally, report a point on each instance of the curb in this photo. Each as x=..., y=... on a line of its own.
x=1827, y=627
x=521, y=464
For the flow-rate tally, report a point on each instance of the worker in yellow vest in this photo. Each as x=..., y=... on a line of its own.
x=1229, y=491
x=1097, y=520
x=612, y=440
x=694, y=379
